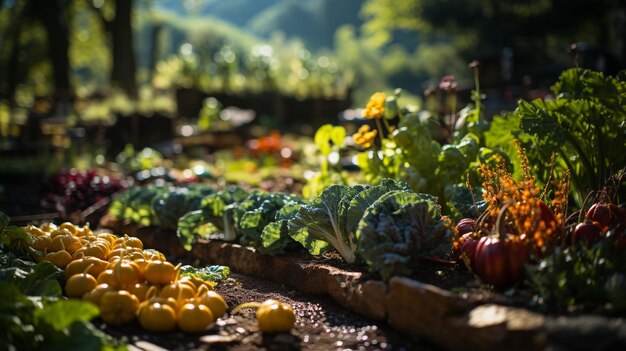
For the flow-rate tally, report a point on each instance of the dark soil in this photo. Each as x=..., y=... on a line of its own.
x=321, y=325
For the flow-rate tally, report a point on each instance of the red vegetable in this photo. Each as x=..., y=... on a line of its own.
x=499, y=260
x=466, y=225
x=607, y=215
x=588, y=232
x=469, y=247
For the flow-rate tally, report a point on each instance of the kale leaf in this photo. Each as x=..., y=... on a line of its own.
x=398, y=228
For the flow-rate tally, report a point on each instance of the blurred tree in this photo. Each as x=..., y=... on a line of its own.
x=116, y=17
x=10, y=50
x=532, y=27
x=53, y=15
x=23, y=16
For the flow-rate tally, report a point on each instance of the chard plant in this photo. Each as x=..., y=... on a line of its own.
x=583, y=126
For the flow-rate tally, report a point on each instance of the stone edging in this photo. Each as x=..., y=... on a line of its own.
x=421, y=310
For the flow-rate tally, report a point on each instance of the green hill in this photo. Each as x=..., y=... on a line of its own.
x=314, y=22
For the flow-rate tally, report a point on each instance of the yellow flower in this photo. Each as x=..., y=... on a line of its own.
x=376, y=106
x=364, y=136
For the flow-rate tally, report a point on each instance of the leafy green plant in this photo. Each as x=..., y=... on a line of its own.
x=275, y=237
x=135, y=204
x=9, y=233
x=584, y=127
x=134, y=161
x=257, y=219
x=399, y=228
x=30, y=322
x=214, y=215
x=318, y=225
x=213, y=273
x=258, y=210
x=580, y=275
x=413, y=151
x=169, y=207
x=329, y=140
x=363, y=200
x=329, y=220
x=41, y=279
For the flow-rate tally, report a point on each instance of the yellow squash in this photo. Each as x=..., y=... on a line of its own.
x=271, y=315
x=178, y=291
x=95, y=295
x=41, y=243
x=157, y=317
x=194, y=318
x=215, y=302
x=79, y=266
x=126, y=273
x=275, y=317
x=80, y=284
x=118, y=307
x=60, y=258
x=160, y=272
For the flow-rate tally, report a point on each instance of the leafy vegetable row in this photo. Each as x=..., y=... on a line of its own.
x=387, y=226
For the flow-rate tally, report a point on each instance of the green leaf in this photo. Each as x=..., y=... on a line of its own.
x=43, y=281
x=469, y=146
x=83, y=336
x=462, y=203
x=213, y=273
x=363, y=200
x=275, y=237
x=322, y=139
x=344, y=205
x=215, y=206
x=34, y=280
x=170, y=206
x=317, y=225
x=272, y=236
x=16, y=233
x=188, y=226
x=63, y=313
x=254, y=213
x=397, y=229
x=11, y=297
x=338, y=135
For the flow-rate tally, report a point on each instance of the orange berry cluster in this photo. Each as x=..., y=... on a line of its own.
x=376, y=106
x=365, y=136
x=528, y=213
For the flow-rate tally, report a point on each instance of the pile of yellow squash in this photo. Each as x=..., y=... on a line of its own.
x=126, y=281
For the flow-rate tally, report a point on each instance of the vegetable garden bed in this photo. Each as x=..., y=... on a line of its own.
x=421, y=310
